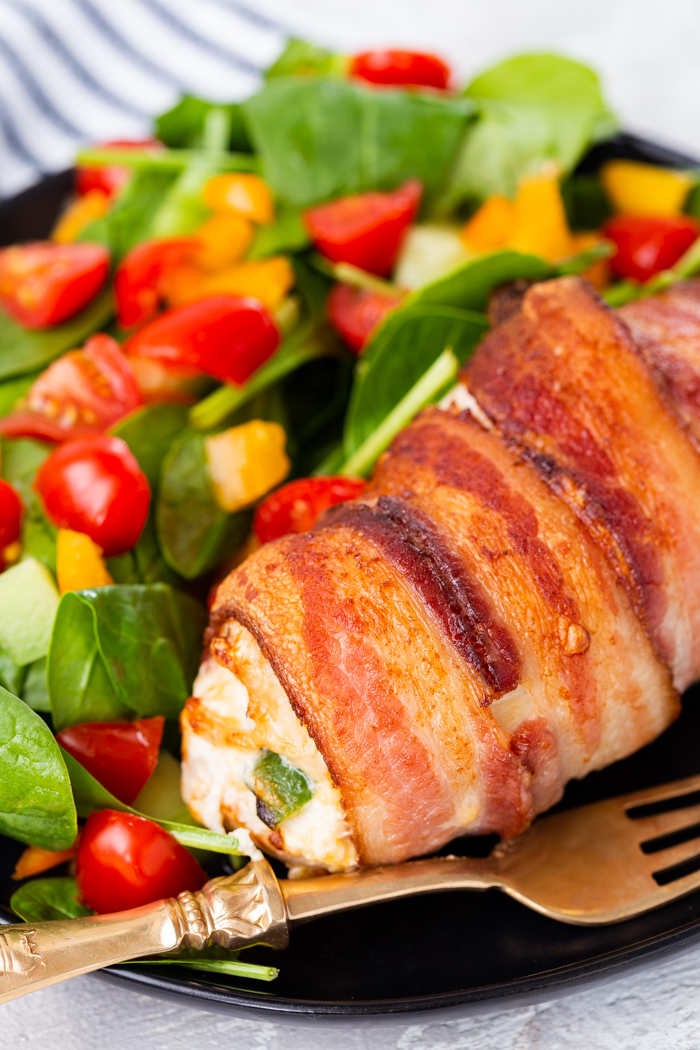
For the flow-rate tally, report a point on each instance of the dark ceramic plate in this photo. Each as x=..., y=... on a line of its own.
x=452, y=952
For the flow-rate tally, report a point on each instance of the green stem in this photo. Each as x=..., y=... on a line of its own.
x=431, y=383
x=231, y=967
x=171, y=159
x=353, y=275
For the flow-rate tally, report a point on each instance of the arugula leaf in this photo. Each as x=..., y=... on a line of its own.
x=321, y=138
x=34, y=691
x=183, y=125
x=305, y=59
x=23, y=350
x=533, y=108
x=36, y=802
x=90, y=797
x=406, y=344
x=195, y=534
x=122, y=649
x=52, y=898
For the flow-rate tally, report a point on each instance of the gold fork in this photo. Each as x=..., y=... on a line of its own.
x=598, y=864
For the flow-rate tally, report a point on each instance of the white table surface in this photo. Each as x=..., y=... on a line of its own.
x=647, y=52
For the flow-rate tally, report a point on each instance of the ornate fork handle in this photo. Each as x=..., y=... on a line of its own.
x=237, y=910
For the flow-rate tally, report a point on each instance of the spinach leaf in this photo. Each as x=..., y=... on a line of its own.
x=124, y=648
x=183, y=125
x=532, y=109
x=300, y=57
x=36, y=802
x=23, y=350
x=195, y=534
x=286, y=234
x=468, y=286
x=587, y=206
x=34, y=691
x=11, y=674
x=144, y=563
x=407, y=343
x=129, y=220
x=52, y=898
x=90, y=797
x=321, y=138
x=13, y=389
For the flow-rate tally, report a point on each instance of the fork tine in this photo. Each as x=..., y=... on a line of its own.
x=662, y=791
x=666, y=823
x=667, y=858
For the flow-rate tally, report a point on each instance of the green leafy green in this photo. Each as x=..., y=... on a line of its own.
x=587, y=206
x=402, y=350
x=52, y=898
x=183, y=125
x=21, y=458
x=304, y=59
x=194, y=533
x=286, y=234
x=28, y=603
x=13, y=389
x=468, y=286
x=281, y=788
x=129, y=220
x=124, y=648
x=34, y=690
x=321, y=138
x=11, y=674
x=532, y=109
x=23, y=350
x=36, y=802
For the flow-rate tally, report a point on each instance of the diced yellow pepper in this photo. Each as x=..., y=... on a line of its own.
x=268, y=280
x=491, y=226
x=246, y=194
x=225, y=239
x=84, y=210
x=79, y=562
x=540, y=225
x=643, y=189
x=245, y=462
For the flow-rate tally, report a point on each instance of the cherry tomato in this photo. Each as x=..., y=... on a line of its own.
x=225, y=336
x=94, y=485
x=296, y=506
x=42, y=283
x=10, y=514
x=405, y=68
x=356, y=312
x=126, y=861
x=367, y=229
x=121, y=755
x=111, y=178
x=646, y=245
x=83, y=392
x=140, y=277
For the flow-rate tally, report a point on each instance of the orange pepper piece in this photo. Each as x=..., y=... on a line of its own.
x=36, y=859
x=540, y=218
x=184, y=283
x=224, y=240
x=246, y=194
x=84, y=210
x=598, y=273
x=268, y=280
x=489, y=227
x=79, y=562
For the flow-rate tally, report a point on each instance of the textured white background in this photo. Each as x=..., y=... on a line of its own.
x=647, y=51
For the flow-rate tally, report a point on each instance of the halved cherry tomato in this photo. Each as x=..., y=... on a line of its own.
x=83, y=392
x=407, y=68
x=94, y=485
x=121, y=755
x=646, y=244
x=296, y=506
x=110, y=178
x=225, y=336
x=366, y=229
x=42, y=283
x=139, y=283
x=356, y=312
x=10, y=514
x=126, y=861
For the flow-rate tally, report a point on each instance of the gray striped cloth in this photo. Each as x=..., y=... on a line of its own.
x=77, y=71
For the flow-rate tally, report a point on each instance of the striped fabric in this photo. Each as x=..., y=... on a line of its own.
x=75, y=71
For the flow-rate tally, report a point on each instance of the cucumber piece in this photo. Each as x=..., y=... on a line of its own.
x=28, y=603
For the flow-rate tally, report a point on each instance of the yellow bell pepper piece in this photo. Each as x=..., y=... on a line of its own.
x=84, y=210
x=246, y=194
x=540, y=225
x=79, y=562
x=268, y=280
x=491, y=226
x=643, y=189
x=245, y=462
x=224, y=240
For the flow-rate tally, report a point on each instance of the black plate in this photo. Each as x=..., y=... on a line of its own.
x=452, y=952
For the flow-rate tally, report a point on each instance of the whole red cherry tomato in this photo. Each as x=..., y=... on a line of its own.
x=366, y=229
x=94, y=485
x=121, y=755
x=111, y=178
x=356, y=312
x=83, y=392
x=139, y=278
x=43, y=284
x=646, y=244
x=10, y=514
x=405, y=68
x=225, y=336
x=296, y=506
x=126, y=861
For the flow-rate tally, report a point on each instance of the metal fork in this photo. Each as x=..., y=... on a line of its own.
x=598, y=864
